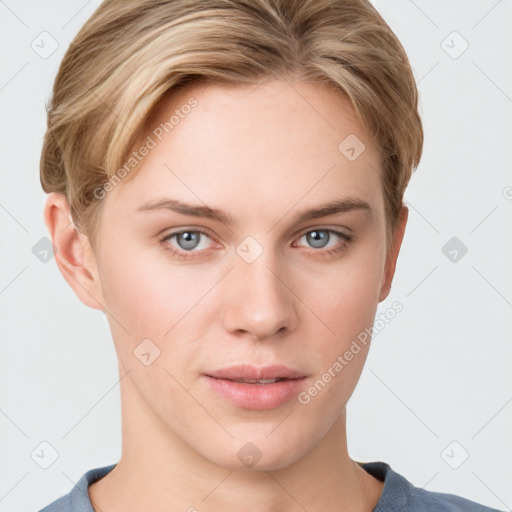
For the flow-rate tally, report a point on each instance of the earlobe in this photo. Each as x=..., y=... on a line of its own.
x=74, y=257
x=392, y=256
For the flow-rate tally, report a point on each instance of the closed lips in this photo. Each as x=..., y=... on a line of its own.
x=256, y=388
x=249, y=374
x=261, y=381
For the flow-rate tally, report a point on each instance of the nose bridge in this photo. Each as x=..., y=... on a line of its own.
x=258, y=301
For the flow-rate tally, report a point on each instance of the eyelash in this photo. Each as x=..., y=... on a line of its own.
x=185, y=255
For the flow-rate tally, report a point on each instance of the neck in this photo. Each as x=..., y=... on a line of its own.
x=158, y=470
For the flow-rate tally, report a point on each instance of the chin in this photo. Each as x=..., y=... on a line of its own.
x=256, y=451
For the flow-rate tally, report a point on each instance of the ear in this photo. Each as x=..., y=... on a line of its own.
x=74, y=256
x=390, y=265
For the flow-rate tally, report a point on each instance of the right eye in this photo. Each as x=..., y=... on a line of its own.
x=187, y=241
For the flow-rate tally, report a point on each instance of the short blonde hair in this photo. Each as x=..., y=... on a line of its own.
x=131, y=54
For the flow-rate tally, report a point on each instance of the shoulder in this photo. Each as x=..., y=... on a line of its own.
x=441, y=502
x=400, y=494
x=77, y=500
x=62, y=504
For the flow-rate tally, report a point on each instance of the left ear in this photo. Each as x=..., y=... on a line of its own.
x=392, y=254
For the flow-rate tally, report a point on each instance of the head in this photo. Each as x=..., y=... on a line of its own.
x=255, y=113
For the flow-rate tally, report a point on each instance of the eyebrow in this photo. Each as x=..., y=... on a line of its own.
x=343, y=205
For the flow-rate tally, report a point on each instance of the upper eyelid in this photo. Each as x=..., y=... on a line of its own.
x=172, y=234
x=335, y=230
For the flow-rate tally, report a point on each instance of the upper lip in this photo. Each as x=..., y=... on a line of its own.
x=249, y=372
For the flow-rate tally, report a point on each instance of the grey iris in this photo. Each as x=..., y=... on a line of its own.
x=318, y=239
x=188, y=239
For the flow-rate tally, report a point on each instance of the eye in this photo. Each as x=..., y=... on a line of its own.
x=321, y=238
x=187, y=241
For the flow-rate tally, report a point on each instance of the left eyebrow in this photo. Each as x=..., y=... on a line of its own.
x=343, y=205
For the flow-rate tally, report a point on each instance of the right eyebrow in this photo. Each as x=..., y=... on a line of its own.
x=188, y=209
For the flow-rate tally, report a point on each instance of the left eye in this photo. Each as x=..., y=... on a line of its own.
x=319, y=238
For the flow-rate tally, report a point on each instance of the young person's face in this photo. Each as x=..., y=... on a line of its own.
x=266, y=289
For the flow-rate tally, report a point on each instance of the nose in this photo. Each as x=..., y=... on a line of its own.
x=258, y=299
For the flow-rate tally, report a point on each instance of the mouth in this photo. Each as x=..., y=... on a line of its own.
x=253, y=374
x=261, y=381
x=249, y=387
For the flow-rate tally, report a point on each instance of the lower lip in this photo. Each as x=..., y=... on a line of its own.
x=257, y=396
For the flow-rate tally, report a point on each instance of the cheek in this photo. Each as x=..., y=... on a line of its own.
x=150, y=298
x=346, y=302
x=346, y=298
x=146, y=290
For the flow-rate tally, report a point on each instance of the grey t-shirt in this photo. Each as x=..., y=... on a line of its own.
x=398, y=494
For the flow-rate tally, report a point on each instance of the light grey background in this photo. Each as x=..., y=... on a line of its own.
x=438, y=373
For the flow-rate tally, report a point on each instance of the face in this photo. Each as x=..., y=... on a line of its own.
x=254, y=288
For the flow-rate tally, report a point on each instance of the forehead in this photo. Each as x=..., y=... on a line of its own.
x=273, y=145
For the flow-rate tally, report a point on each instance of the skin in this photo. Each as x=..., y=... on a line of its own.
x=262, y=154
